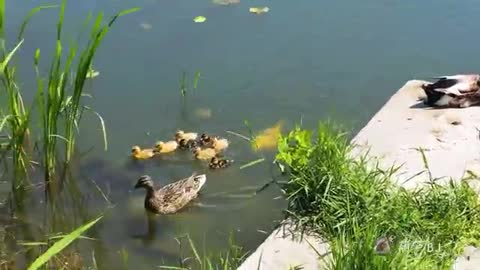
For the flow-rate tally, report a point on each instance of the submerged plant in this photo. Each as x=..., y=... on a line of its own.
x=229, y=259
x=184, y=88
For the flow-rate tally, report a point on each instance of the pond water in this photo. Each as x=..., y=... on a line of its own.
x=301, y=61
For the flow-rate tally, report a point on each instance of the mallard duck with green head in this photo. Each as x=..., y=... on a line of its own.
x=171, y=198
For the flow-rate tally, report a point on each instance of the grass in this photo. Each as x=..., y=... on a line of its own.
x=352, y=204
x=61, y=244
x=184, y=88
x=228, y=259
x=59, y=95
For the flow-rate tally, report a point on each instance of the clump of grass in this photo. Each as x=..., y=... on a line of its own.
x=58, y=96
x=184, y=88
x=352, y=203
x=229, y=259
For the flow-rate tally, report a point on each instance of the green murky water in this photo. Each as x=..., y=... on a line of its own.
x=303, y=60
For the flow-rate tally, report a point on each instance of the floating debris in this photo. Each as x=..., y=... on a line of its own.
x=252, y=163
x=203, y=113
x=225, y=2
x=146, y=26
x=268, y=138
x=199, y=19
x=259, y=10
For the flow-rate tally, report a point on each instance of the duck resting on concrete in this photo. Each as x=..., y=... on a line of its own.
x=459, y=91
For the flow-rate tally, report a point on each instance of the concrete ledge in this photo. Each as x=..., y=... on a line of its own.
x=284, y=248
x=449, y=137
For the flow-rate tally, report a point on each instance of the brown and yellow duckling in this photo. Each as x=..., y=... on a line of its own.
x=206, y=140
x=204, y=154
x=138, y=153
x=187, y=144
x=170, y=198
x=218, y=163
x=189, y=136
x=165, y=147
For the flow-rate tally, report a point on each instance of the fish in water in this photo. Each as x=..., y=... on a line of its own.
x=462, y=90
x=171, y=198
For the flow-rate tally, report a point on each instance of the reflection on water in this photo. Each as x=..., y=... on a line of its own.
x=306, y=60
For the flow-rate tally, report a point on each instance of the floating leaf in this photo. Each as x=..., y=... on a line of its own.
x=146, y=26
x=225, y=2
x=199, y=19
x=268, y=138
x=259, y=10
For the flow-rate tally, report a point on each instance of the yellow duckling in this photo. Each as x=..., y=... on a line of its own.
x=189, y=136
x=204, y=154
x=165, y=147
x=219, y=144
x=268, y=138
x=139, y=153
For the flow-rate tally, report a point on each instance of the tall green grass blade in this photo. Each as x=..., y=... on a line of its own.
x=2, y=21
x=29, y=16
x=9, y=56
x=61, y=244
x=102, y=123
x=192, y=246
x=195, y=80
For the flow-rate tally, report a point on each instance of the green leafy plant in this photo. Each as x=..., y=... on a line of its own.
x=353, y=202
x=61, y=244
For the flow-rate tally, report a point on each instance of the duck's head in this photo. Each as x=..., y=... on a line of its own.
x=214, y=161
x=136, y=149
x=159, y=145
x=182, y=142
x=144, y=181
x=179, y=134
x=199, y=181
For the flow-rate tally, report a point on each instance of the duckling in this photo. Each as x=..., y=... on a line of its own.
x=138, y=153
x=204, y=154
x=460, y=90
x=187, y=144
x=217, y=163
x=219, y=144
x=165, y=147
x=180, y=134
x=171, y=198
x=206, y=140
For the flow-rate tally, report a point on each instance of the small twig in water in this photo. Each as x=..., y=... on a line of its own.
x=239, y=135
x=252, y=163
